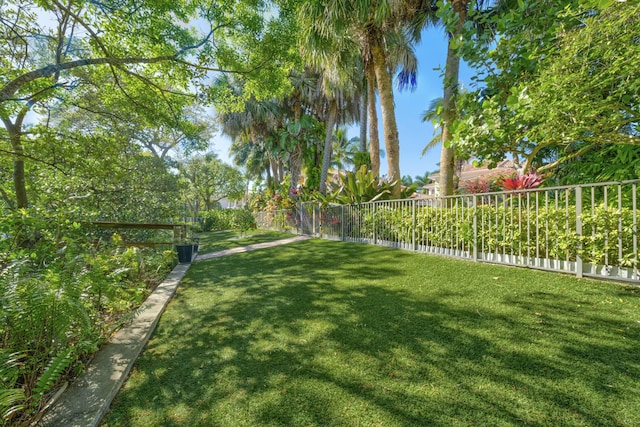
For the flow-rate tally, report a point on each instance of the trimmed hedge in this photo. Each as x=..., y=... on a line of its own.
x=507, y=228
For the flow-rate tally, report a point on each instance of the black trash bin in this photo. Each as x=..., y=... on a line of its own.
x=185, y=253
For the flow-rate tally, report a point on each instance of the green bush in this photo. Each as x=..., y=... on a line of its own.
x=228, y=219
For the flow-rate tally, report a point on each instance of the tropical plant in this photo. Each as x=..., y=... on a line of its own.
x=344, y=150
x=363, y=186
x=61, y=295
x=478, y=185
x=339, y=24
x=521, y=182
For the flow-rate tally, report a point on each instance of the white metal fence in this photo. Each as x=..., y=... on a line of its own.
x=586, y=230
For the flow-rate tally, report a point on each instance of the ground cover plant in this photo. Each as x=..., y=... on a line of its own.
x=64, y=289
x=330, y=333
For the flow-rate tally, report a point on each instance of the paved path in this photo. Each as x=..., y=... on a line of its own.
x=251, y=247
x=88, y=398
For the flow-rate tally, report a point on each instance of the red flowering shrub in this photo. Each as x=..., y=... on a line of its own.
x=478, y=185
x=521, y=182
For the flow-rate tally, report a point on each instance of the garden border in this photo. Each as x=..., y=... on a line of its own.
x=89, y=397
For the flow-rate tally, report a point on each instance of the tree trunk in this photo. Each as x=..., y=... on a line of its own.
x=295, y=159
x=274, y=171
x=363, y=117
x=385, y=90
x=326, y=158
x=295, y=166
x=269, y=177
x=14, y=132
x=374, y=140
x=451, y=73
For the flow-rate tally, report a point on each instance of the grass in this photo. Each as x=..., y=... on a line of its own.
x=222, y=240
x=321, y=333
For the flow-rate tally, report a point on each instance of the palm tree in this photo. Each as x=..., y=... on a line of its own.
x=432, y=114
x=334, y=56
x=368, y=23
x=256, y=124
x=344, y=149
x=451, y=80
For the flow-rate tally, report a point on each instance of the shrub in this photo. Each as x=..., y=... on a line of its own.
x=511, y=227
x=228, y=219
x=521, y=182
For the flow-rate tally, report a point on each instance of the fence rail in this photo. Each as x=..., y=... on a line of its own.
x=586, y=230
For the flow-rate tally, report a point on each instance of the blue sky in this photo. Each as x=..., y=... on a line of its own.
x=414, y=134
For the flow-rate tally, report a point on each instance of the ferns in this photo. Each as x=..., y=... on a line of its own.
x=59, y=300
x=52, y=373
x=11, y=397
x=10, y=402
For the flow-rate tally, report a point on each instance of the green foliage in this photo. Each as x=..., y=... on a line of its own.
x=12, y=398
x=313, y=177
x=511, y=227
x=557, y=88
x=605, y=163
x=62, y=290
x=595, y=67
x=243, y=220
x=228, y=219
x=362, y=158
x=363, y=186
x=208, y=179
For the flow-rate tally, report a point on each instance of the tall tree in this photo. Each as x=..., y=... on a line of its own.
x=209, y=181
x=557, y=84
x=47, y=48
x=368, y=23
x=459, y=9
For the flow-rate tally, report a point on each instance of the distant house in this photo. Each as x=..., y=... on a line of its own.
x=468, y=172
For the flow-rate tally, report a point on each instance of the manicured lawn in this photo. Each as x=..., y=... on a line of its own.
x=321, y=333
x=221, y=240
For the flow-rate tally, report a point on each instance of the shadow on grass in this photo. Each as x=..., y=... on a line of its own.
x=324, y=333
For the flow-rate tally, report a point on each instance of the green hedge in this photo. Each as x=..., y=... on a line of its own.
x=228, y=219
x=504, y=228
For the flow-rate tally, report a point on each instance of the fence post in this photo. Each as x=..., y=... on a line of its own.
x=313, y=220
x=375, y=222
x=342, y=224
x=579, y=230
x=414, y=224
x=475, y=227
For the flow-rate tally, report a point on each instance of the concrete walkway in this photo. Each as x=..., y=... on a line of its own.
x=251, y=247
x=89, y=397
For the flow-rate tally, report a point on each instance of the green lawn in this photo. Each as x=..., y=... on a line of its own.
x=321, y=333
x=222, y=240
